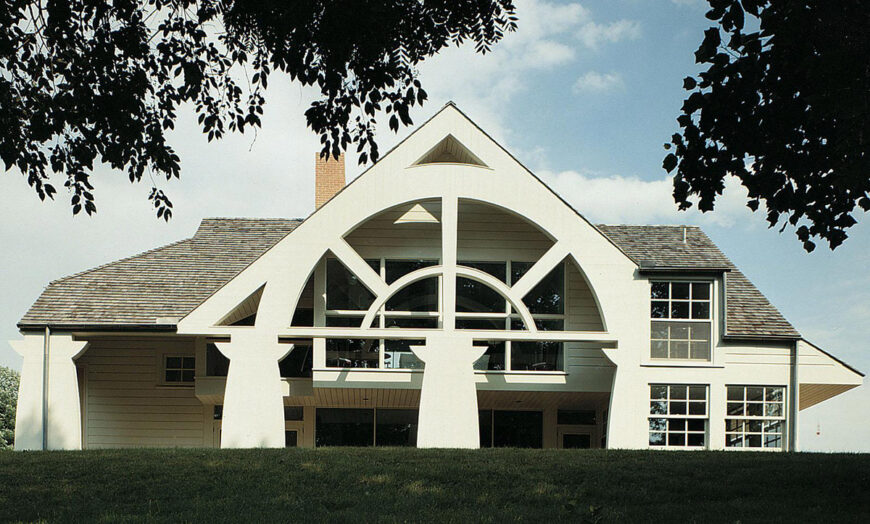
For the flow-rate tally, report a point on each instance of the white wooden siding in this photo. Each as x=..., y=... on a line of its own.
x=126, y=406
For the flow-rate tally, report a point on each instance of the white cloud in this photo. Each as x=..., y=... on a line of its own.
x=617, y=199
x=596, y=82
x=593, y=34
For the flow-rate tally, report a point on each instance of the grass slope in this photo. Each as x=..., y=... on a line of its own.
x=390, y=485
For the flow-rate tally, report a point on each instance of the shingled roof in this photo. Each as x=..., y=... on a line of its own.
x=170, y=281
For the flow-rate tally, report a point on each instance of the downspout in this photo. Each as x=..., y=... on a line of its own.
x=794, y=400
x=45, y=352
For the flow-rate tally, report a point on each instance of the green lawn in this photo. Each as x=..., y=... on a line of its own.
x=390, y=485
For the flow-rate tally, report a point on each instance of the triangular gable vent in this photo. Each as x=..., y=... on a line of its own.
x=421, y=213
x=245, y=314
x=450, y=151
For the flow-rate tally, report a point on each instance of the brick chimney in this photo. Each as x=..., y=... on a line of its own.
x=328, y=178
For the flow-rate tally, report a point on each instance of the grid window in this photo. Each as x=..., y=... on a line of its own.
x=678, y=415
x=755, y=417
x=680, y=327
x=179, y=369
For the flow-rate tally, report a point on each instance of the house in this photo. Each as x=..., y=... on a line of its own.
x=445, y=298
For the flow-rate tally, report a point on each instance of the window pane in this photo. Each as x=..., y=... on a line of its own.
x=493, y=359
x=700, y=351
x=658, y=392
x=173, y=362
x=546, y=297
x=484, y=417
x=344, y=427
x=679, y=392
x=187, y=375
x=480, y=323
x=773, y=394
x=733, y=441
x=659, y=330
x=290, y=438
x=496, y=269
x=732, y=425
x=679, y=310
x=396, y=269
x=293, y=413
x=679, y=350
x=475, y=297
x=754, y=409
x=518, y=429
x=189, y=363
x=173, y=375
x=659, y=349
x=575, y=417
x=659, y=310
x=698, y=392
x=753, y=426
x=700, y=310
x=773, y=441
x=396, y=427
x=680, y=290
x=344, y=290
x=676, y=439
x=735, y=408
x=700, y=331
x=700, y=291
x=773, y=409
x=677, y=424
x=753, y=441
x=352, y=353
x=755, y=393
x=343, y=321
x=518, y=269
x=656, y=439
x=695, y=439
x=697, y=408
x=659, y=290
x=658, y=424
x=735, y=393
x=398, y=354
x=536, y=356
x=419, y=296
x=773, y=426
x=411, y=323
x=678, y=407
x=679, y=331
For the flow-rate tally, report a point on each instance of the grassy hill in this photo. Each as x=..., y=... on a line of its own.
x=390, y=485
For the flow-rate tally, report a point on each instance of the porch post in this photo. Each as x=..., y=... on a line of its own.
x=60, y=426
x=253, y=415
x=448, y=397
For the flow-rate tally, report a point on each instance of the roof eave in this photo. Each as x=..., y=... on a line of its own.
x=34, y=326
x=654, y=270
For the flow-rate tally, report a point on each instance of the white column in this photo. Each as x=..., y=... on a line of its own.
x=628, y=414
x=28, y=418
x=253, y=413
x=449, y=231
x=63, y=417
x=448, y=397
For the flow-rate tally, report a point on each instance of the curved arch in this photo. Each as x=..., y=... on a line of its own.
x=463, y=271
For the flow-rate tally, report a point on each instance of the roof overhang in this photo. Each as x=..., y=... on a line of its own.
x=100, y=328
x=669, y=270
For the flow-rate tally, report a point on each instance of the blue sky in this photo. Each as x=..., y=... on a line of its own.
x=584, y=94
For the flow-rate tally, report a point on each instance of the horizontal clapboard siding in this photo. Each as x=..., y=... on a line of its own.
x=581, y=315
x=126, y=405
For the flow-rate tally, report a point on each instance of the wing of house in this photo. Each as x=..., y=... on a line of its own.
x=445, y=298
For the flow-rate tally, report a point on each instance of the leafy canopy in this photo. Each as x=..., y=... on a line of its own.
x=784, y=105
x=85, y=81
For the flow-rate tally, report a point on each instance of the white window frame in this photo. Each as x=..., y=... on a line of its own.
x=710, y=320
x=668, y=416
x=764, y=419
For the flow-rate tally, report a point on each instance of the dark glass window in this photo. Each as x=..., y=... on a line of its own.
x=344, y=290
x=485, y=423
x=218, y=412
x=576, y=441
x=397, y=352
x=350, y=353
x=297, y=363
x=576, y=417
x=548, y=296
x=473, y=296
x=303, y=317
x=397, y=427
x=290, y=438
x=344, y=427
x=293, y=413
x=180, y=370
x=419, y=296
x=494, y=358
x=216, y=364
x=518, y=429
x=538, y=356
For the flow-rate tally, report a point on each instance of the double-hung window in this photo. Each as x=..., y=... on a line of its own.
x=681, y=320
x=755, y=417
x=678, y=415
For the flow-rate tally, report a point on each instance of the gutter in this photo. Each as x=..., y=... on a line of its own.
x=98, y=327
x=46, y=349
x=657, y=270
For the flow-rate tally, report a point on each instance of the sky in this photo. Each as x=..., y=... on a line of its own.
x=584, y=94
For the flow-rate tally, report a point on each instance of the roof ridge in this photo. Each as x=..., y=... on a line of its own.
x=125, y=259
